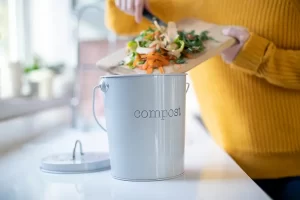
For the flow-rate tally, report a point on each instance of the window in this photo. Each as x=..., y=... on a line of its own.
x=11, y=42
x=3, y=40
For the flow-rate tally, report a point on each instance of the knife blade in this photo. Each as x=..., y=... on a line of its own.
x=148, y=15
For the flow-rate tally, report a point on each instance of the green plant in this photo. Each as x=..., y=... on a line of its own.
x=35, y=66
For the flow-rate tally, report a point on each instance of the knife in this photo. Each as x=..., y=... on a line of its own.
x=148, y=15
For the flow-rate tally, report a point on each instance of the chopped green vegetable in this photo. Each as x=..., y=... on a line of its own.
x=178, y=41
x=180, y=60
x=132, y=45
x=130, y=59
x=145, y=43
x=131, y=66
x=141, y=62
x=204, y=36
x=145, y=33
x=150, y=29
x=181, y=45
x=194, y=42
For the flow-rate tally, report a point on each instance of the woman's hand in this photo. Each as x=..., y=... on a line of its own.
x=242, y=35
x=133, y=7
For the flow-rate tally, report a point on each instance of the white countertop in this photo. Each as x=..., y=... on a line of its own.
x=209, y=172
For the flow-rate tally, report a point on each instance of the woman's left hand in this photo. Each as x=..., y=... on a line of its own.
x=242, y=35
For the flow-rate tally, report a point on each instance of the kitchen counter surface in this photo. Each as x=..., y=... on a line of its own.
x=209, y=173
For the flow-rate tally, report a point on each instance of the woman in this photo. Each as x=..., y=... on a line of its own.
x=249, y=96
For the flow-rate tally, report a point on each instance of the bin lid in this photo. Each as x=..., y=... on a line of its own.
x=72, y=163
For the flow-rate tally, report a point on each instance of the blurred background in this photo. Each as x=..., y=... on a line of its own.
x=48, y=51
x=48, y=55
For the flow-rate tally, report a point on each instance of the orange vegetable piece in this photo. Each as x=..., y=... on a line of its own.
x=156, y=33
x=158, y=56
x=149, y=70
x=171, y=57
x=188, y=55
x=136, y=60
x=161, y=59
x=145, y=65
x=153, y=60
x=144, y=56
x=161, y=70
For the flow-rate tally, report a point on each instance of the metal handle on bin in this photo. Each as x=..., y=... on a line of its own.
x=94, y=112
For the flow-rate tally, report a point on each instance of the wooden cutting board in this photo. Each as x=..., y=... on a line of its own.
x=213, y=48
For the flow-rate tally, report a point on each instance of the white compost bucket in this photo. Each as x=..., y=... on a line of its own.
x=145, y=120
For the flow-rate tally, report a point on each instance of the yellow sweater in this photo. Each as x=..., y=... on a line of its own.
x=251, y=107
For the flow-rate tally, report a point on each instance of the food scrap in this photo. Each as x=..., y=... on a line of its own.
x=160, y=46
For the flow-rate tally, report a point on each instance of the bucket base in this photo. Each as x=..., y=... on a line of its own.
x=147, y=180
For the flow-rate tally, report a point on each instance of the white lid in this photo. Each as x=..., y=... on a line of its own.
x=67, y=163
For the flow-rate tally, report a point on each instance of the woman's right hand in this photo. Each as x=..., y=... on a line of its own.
x=133, y=7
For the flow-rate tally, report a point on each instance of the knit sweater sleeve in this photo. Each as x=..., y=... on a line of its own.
x=262, y=58
x=121, y=23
